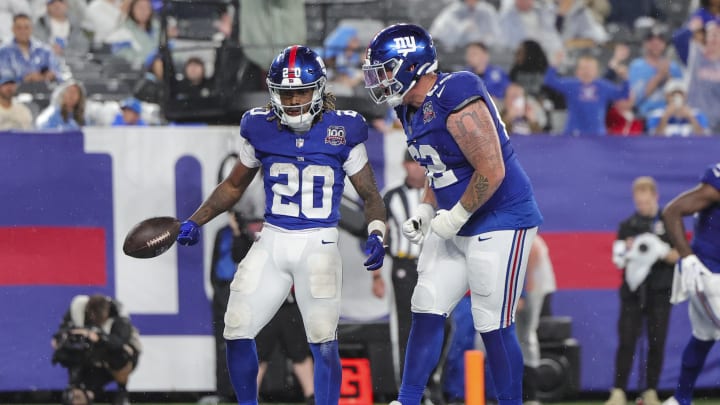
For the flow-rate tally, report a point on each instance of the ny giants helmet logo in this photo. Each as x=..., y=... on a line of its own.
x=335, y=135
x=405, y=45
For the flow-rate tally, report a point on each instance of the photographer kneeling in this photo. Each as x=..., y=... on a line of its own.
x=98, y=345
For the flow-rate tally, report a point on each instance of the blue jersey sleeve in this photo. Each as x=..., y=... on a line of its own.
x=357, y=129
x=614, y=91
x=250, y=120
x=712, y=176
x=553, y=80
x=681, y=39
x=459, y=89
x=244, y=125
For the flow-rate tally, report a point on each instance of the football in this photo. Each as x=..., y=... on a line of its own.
x=151, y=237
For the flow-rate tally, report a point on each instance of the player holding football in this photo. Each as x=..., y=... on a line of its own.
x=479, y=217
x=697, y=274
x=305, y=149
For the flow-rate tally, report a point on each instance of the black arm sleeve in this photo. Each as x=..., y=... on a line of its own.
x=120, y=334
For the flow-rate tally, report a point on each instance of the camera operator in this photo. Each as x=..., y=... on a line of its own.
x=642, y=250
x=98, y=345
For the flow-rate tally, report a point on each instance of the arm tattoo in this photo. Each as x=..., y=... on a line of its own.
x=475, y=133
x=225, y=195
x=364, y=183
x=480, y=186
x=476, y=136
x=221, y=199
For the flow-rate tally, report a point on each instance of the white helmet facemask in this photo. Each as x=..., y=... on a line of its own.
x=301, y=122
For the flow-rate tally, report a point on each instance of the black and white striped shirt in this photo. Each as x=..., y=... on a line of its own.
x=401, y=202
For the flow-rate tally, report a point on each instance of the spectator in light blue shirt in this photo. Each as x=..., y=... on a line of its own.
x=30, y=59
x=495, y=78
x=66, y=110
x=648, y=74
x=587, y=97
x=677, y=118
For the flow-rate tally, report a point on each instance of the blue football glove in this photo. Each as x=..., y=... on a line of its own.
x=189, y=233
x=376, y=252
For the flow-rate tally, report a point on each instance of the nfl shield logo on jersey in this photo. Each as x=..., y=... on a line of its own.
x=335, y=135
x=299, y=142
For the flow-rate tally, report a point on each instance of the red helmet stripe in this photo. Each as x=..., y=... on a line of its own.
x=291, y=61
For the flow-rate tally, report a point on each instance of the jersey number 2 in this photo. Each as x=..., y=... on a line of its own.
x=440, y=176
x=303, y=182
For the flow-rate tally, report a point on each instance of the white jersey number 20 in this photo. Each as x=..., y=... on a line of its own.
x=303, y=182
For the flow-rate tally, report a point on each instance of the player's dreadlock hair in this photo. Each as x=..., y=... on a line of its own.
x=328, y=105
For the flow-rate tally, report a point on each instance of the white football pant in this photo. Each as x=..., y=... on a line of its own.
x=309, y=259
x=492, y=265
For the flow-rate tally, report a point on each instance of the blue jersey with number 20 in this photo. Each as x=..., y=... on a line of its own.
x=303, y=174
x=513, y=205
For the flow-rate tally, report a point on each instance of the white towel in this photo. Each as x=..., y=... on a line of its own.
x=647, y=248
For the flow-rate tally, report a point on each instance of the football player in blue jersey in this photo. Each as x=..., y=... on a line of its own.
x=697, y=274
x=479, y=217
x=305, y=149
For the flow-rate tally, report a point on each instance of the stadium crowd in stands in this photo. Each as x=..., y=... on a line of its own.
x=109, y=48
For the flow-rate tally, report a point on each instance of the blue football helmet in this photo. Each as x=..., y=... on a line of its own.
x=297, y=68
x=396, y=58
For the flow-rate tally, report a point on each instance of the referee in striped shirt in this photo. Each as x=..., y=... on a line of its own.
x=401, y=202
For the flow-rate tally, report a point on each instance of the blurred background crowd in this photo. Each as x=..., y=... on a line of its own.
x=573, y=67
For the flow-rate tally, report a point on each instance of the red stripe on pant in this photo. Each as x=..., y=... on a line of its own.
x=513, y=273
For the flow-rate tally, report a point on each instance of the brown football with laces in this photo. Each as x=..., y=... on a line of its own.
x=151, y=237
